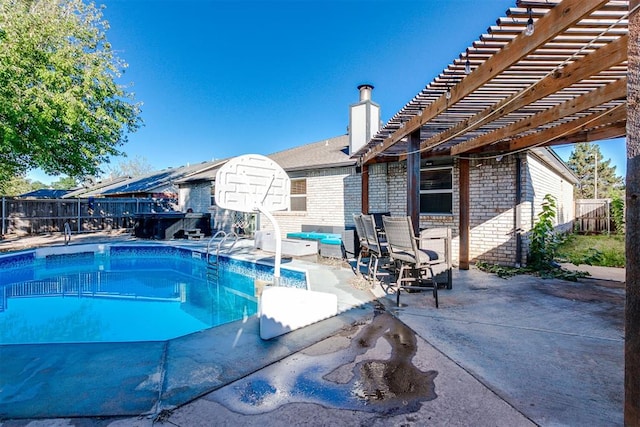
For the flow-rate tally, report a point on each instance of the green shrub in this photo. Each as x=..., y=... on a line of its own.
x=546, y=246
x=617, y=214
x=544, y=239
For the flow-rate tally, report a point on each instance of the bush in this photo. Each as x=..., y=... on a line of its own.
x=617, y=215
x=544, y=239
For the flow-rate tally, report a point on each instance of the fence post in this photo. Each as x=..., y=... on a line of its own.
x=608, y=217
x=79, y=218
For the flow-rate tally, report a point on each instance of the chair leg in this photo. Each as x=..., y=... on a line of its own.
x=359, y=263
x=399, y=283
x=373, y=268
x=377, y=264
x=435, y=292
x=368, y=275
x=435, y=286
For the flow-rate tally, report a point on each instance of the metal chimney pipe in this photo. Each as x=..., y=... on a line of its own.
x=365, y=92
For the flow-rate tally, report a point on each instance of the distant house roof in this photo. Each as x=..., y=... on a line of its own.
x=45, y=193
x=332, y=152
x=155, y=182
x=205, y=174
x=96, y=187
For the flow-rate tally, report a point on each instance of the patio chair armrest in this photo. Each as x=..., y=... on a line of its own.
x=442, y=235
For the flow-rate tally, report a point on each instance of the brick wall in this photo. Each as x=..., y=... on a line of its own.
x=538, y=180
x=379, y=187
x=492, y=203
x=333, y=194
x=492, y=210
x=541, y=181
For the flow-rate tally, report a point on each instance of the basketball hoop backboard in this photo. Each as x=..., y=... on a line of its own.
x=251, y=183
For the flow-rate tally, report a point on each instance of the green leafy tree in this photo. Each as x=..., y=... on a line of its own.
x=61, y=108
x=64, y=183
x=133, y=167
x=617, y=214
x=582, y=162
x=19, y=185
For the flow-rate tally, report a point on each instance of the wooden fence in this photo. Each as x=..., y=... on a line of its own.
x=37, y=216
x=593, y=216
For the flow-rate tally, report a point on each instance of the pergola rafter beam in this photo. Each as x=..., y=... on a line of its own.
x=615, y=90
x=600, y=60
x=558, y=19
x=613, y=130
x=592, y=121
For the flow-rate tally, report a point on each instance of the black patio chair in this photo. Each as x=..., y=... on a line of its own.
x=414, y=265
x=364, y=245
x=378, y=250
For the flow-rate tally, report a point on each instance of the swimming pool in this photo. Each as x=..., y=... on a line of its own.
x=124, y=293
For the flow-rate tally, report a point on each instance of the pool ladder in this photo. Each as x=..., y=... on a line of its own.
x=213, y=259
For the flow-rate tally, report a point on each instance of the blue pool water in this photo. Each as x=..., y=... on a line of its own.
x=120, y=294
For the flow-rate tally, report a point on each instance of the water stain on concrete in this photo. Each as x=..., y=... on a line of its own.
x=598, y=291
x=394, y=384
x=370, y=368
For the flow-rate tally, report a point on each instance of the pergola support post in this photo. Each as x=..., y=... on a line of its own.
x=632, y=227
x=365, y=189
x=517, y=212
x=413, y=180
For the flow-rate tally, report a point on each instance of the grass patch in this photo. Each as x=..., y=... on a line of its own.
x=600, y=250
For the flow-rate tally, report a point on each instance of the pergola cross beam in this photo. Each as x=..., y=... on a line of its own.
x=611, y=91
x=612, y=115
x=559, y=18
x=601, y=59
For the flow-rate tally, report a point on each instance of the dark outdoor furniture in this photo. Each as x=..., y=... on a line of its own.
x=170, y=225
x=364, y=246
x=438, y=239
x=414, y=264
x=378, y=250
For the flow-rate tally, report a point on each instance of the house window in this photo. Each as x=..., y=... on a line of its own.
x=299, y=195
x=436, y=190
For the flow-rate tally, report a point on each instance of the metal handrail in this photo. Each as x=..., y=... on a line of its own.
x=225, y=236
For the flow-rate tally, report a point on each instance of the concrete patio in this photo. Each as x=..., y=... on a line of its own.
x=521, y=351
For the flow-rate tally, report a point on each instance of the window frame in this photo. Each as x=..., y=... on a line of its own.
x=298, y=196
x=430, y=168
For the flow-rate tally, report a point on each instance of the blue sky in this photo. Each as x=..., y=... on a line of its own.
x=225, y=78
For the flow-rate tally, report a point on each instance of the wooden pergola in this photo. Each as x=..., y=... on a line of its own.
x=567, y=79
x=549, y=72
